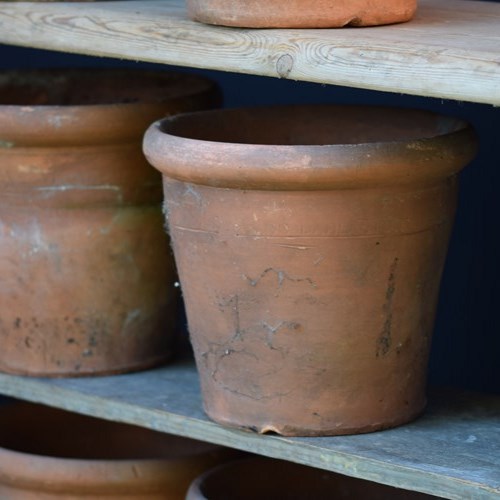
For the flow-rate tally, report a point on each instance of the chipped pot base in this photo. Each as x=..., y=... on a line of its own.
x=310, y=431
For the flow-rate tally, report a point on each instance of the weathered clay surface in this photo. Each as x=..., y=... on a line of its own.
x=86, y=274
x=301, y=13
x=268, y=479
x=310, y=243
x=48, y=454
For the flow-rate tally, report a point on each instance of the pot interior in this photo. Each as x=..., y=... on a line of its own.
x=40, y=430
x=268, y=479
x=73, y=87
x=311, y=125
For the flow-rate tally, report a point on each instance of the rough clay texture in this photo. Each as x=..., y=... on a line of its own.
x=87, y=275
x=301, y=13
x=48, y=454
x=310, y=258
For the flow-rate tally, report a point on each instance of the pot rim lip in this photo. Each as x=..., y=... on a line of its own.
x=302, y=166
x=59, y=108
x=19, y=467
x=23, y=470
x=82, y=462
x=20, y=407
x=461, y=124
x=97, y=116
x=193, y=84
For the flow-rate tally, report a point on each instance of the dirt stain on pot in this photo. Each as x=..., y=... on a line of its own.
x=232, y=304
x=271, y=331
x=384, y=342
x=281, y=276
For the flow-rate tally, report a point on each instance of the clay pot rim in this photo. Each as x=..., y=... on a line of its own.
x=109, y=121
x=53, y=461
x=244, y=470
x=16, y=413
x=310, y=167
x=31, y=470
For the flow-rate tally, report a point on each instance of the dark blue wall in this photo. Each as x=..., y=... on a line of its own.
x=466, y=348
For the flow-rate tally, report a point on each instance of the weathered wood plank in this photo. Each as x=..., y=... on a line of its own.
x=453, y=451
x=450, y=50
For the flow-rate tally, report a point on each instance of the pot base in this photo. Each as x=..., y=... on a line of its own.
x=127, y=368
x=293, y=431
x=300, y=13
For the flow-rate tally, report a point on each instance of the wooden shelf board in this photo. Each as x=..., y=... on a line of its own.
x=450, y=50
x=453, y=451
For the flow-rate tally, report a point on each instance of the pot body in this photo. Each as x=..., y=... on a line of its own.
x=48, y=454
x=301, y=13
x=87, y=276
x=280, y=479
x=311, y=294
x=311, y=312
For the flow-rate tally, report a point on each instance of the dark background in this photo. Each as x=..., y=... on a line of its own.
x=466, y=345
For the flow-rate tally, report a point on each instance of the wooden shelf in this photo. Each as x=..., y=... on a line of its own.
x=453, y=451
x=450, y=50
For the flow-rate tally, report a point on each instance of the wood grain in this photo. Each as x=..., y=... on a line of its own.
x=450, y=50
x=453, y=451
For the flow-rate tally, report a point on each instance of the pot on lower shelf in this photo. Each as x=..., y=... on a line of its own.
x=310, y=242
x=301, y=13
x=49, y=454
x=268, y=479
x=87, y=281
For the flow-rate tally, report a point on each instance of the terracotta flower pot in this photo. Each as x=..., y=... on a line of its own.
x=48, y=454
x=87, y=277
x=310, y=243
x=280, y=479
x=301, y=13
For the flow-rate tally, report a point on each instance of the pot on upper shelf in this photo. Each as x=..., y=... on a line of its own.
x=301, y=13
x=281, y=479
x=49, y=454
x=310, y=242
x=87, y=280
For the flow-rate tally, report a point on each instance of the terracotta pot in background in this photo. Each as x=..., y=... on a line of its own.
x=268, y=479
x=301, y=13
x=86, y=281
x=49, y=454
x=310, y=243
